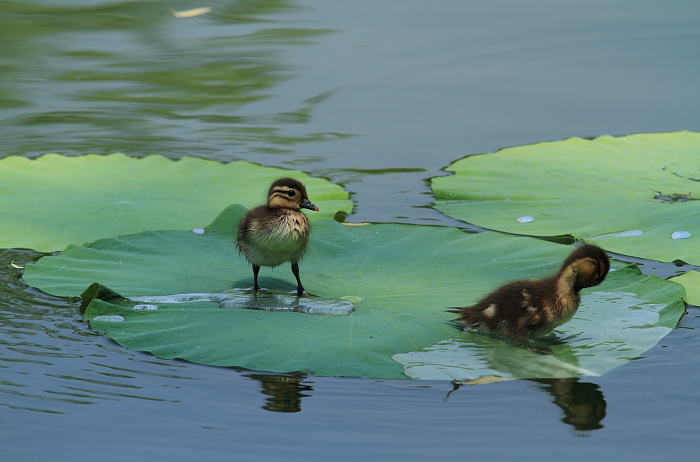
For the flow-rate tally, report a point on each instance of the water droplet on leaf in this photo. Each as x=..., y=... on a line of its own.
x=680, y=235
x=112, y=318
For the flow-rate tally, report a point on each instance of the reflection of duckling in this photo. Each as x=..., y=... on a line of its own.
x=528, y=309
x=583, y=403
x=272, y=234
x=284, y=393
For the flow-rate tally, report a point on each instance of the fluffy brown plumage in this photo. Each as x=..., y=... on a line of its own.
x=529, y=309
x=278, y=232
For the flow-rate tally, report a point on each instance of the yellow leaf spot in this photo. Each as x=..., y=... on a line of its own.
x=356, y=224
x=351, y=298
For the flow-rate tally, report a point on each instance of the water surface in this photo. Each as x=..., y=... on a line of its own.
x=377, y=96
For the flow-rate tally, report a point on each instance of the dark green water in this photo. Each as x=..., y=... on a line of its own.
x=378, y=97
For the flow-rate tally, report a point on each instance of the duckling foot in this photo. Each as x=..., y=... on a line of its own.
x=303, y=293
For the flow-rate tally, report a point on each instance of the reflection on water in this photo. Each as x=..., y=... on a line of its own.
x=583, y=403
x=128, y=76
x=284, y=392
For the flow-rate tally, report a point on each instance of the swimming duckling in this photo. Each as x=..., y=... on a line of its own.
x=272, y=234
x=529, y=309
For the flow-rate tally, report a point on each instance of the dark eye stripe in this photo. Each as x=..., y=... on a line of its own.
x=286, y=194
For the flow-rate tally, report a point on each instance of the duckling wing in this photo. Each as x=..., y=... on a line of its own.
x=519, y=310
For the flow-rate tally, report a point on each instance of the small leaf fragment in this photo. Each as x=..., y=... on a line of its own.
x=191, y=13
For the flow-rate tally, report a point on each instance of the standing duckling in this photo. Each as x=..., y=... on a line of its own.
x=523, y=310
x=278, y=232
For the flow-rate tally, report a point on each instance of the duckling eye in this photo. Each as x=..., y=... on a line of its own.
x=291, y=193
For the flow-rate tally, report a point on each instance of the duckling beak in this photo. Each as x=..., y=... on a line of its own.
x=307, y=204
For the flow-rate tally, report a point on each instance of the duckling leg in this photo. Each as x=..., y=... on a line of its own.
x=256, y=270
x=295, y=270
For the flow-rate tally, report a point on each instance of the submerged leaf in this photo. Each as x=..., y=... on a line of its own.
x=606, y=186
x=53, y=201
x=400, y=278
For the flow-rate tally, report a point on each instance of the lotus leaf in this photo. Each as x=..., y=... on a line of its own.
x=691, y=282
x=52, y=201
x=399, y=277
x=635, y=190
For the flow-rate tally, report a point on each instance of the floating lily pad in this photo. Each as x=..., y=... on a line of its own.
x=53, y=201
x=400, y=278
x=647, y=183
x=691, y=282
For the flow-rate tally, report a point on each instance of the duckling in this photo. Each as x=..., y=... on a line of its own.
x=278, y=232
x=529, y=309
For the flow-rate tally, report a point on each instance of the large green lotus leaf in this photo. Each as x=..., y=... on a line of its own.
x=691, y=282
x=399, y=277
x=53, y=201
x=587, y=189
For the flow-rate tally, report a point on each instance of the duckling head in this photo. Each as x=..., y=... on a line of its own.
x=589, y=263
x=288, y=193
